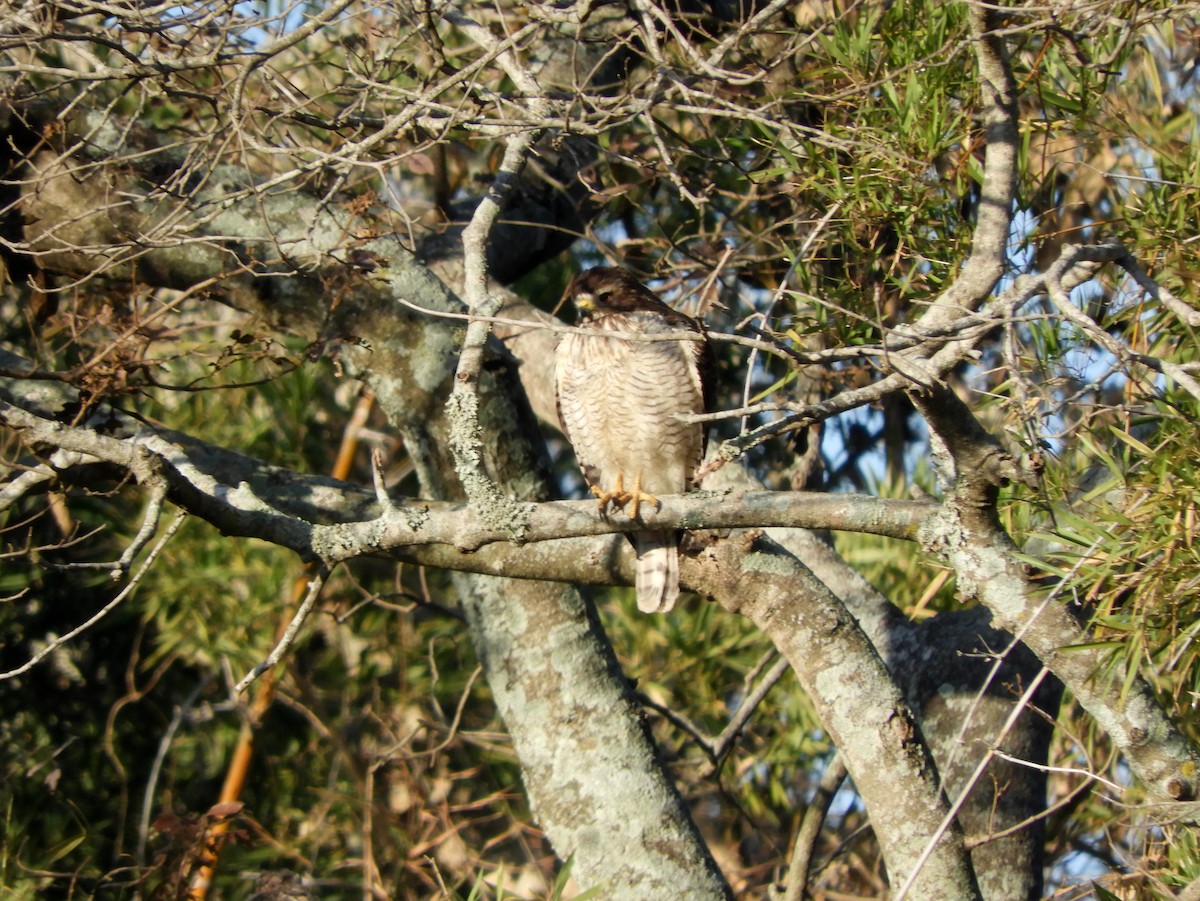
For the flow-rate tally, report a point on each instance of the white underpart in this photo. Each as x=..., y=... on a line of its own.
x=620, y=403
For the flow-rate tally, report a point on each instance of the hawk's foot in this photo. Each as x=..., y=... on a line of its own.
x=638, y=497
x=621, y=498
x=618, y=497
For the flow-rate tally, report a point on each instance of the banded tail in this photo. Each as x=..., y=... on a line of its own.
x=657, y=570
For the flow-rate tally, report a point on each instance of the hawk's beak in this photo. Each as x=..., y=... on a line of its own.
x=585, y=303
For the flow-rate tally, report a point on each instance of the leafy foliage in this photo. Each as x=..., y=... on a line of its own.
x=822, y=189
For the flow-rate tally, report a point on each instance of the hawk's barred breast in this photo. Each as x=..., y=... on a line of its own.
x=621, y=400
x=621, y=403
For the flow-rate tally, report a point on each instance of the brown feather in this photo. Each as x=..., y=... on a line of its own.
x=619, y=403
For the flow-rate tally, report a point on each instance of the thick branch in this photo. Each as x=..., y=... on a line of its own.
x=968, y=533
x=336, y=521
x=463, y=405
x=998, y=98
x=858, y=703
x=536, y=640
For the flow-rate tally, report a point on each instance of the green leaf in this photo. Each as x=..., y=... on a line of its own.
x=560, y=885
x=1124, y=436
x=1063, y=102
x=780, y=383
x=62, y=849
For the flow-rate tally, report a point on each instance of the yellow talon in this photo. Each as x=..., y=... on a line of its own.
x=620, y=498
x=637, y=496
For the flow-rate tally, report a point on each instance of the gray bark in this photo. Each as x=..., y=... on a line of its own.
x=550, y=667
x=858, y=702
x=409, y=360
x=969, y=534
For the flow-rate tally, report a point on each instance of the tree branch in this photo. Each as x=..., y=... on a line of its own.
x=327, y=519
x=968, y=533
x=858, y=702
x=999, y=185
x=128, y=589
x=462, y=408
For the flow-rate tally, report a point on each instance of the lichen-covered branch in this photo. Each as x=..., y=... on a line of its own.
x=987, y=564
x=323, y=518
x=998, y=190
x=857, y=701
x=303, y=251
x=463, y=405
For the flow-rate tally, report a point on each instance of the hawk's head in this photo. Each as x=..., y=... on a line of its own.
x=606, y=290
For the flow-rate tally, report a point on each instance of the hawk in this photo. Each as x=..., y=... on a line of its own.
x=620, y=403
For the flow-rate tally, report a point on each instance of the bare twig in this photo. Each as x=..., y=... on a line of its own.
x=746, y=709
x=320, y=576
x=1184, y=311
x=1101, y=337
x=463, y=404
x=149, y=526
x=1017, y=710
x=715, y=748
x=810, y=829
x=58, y=641
x=37, y=476
x=178, y=718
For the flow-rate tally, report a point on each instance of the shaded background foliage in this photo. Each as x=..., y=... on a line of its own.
x=817, y=193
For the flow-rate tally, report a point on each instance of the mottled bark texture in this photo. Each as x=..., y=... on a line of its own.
x=963, y=679
x=967, y=678
x=940, y=668
x=559, y=690
x=605, y=803
x=858, y=702
x=968, y=532
x=908, y=706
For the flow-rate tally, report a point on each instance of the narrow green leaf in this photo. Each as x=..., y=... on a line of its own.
x=1138, y=446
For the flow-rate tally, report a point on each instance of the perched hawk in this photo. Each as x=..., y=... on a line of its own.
x=619, y=402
